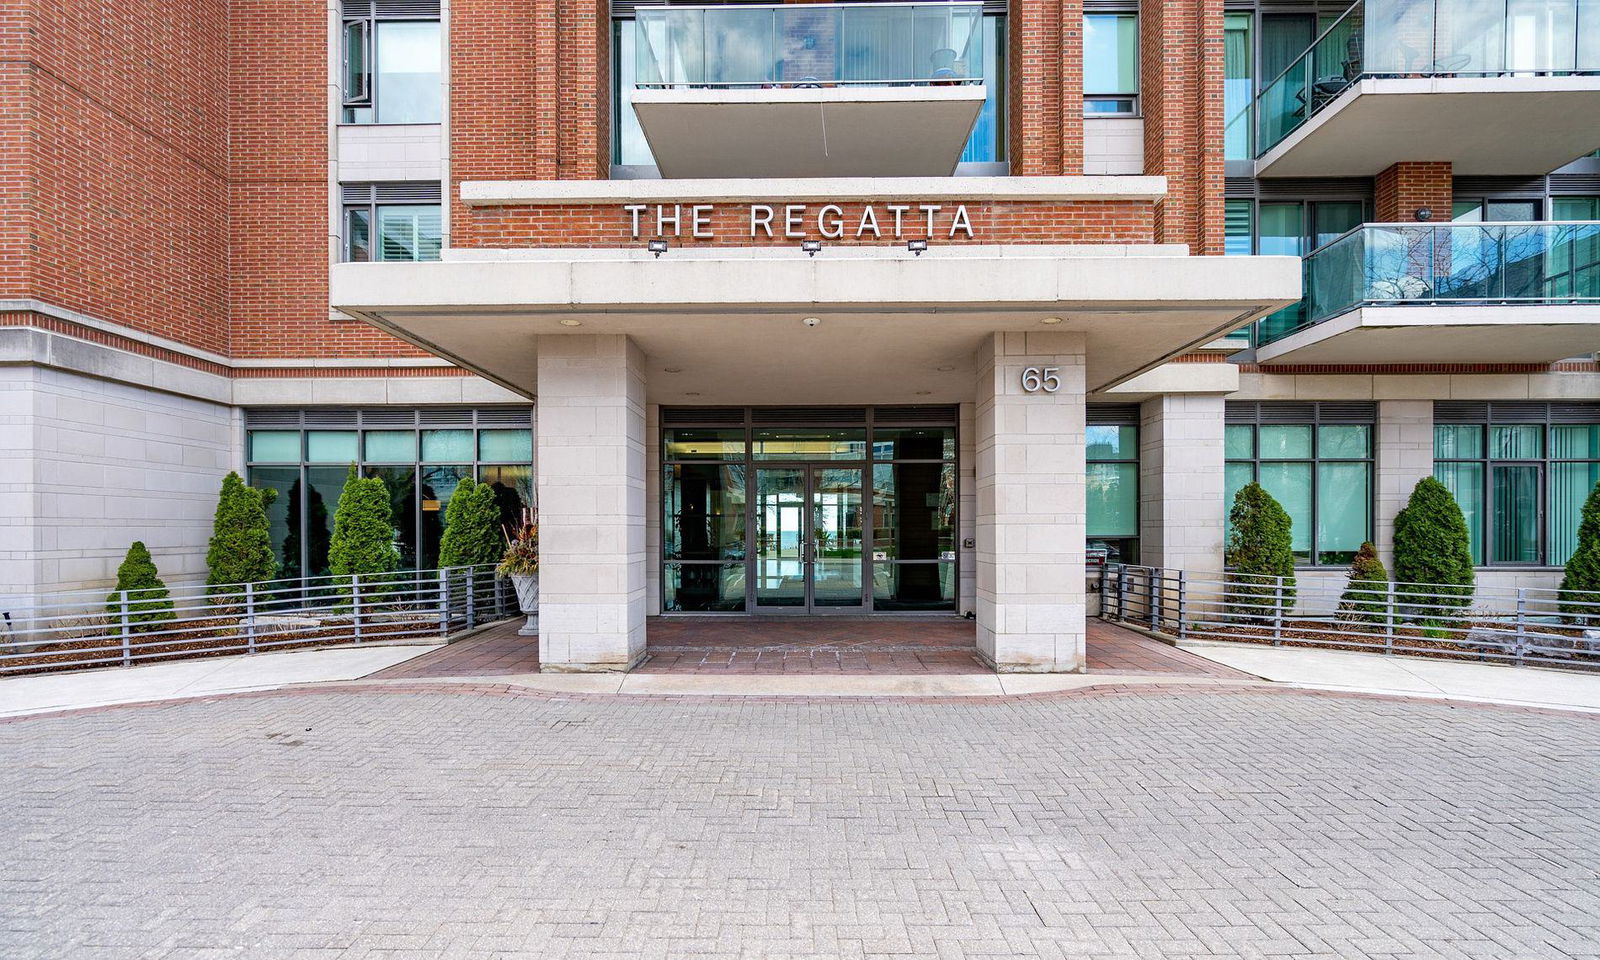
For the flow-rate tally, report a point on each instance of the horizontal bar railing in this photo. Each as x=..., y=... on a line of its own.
x=1394, y=264
x=97, y=628
x=1426, y=38
x=808, y=45
x=1522, y=625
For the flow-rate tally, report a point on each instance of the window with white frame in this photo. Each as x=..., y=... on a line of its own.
x=392, y=56
x=392, y=221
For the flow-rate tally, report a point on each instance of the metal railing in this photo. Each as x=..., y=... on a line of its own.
x=809, y=45
x=1423, y=38
x=1386, y=264
x=1523, y=625
x=89, y=628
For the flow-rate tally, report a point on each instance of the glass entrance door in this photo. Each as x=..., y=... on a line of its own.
x=808, y=525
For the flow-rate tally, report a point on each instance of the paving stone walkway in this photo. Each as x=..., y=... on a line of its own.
x=807, y=646
x=405, y=823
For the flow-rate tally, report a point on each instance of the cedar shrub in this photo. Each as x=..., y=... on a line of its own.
x=1365, y=599
x=1260, y=552
x=1432, y=554
x=363, y=530
x=149, y=602
x=1580, y=588
x=471, y=527
x=241, y=540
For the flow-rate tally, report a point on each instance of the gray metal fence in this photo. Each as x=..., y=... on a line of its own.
x=87, y=628
x=1523, y=625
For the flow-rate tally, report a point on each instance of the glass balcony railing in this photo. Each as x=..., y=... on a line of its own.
x=1423, y=38
x=809, y=45
x=1393, y=264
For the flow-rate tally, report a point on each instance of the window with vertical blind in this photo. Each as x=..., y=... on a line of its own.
x=1316, y=460
x=1112, y=481
x=1520, y=472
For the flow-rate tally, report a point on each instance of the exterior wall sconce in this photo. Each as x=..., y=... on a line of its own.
x=1423, y=214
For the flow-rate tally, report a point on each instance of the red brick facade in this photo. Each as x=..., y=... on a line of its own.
x=1045, y=87
x=1404, y=188
x=113, y=135
x=1181, y=78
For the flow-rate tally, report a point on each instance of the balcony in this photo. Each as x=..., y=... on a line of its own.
x=1495, y=87
x=1444, y=293
x=809, y=90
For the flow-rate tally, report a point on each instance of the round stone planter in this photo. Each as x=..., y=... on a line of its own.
x=527, y=587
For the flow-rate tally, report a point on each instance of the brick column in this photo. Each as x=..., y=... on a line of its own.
x=1031, y=513
x=1182, y=513
x=1404, y=455
x=1045, y=96
x=1180, y=61
x=591, y=482
x=1404, y=187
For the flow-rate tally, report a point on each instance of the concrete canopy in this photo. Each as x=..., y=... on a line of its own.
x=1469, y=333
x=822, y=132
x=1483, y=125
x=730, y=325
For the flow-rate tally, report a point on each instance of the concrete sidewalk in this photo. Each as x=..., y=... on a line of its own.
x=1358, y=672
x=197, y=678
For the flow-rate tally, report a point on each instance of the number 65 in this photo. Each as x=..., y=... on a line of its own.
x=1047, y=379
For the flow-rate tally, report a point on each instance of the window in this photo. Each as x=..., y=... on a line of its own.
x=1112, y=483
x=391, y=65
x=1238, y=84
x=1520, y=472
x=421, y=456
x=1111, y=64
x=391, y=222
x=1316, y=460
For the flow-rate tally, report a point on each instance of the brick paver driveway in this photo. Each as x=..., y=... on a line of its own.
x=1156, y=824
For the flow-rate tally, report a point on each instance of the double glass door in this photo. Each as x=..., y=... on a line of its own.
x=808, y=539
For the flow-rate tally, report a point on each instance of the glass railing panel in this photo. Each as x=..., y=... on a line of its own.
x=809, y=45
x=1479, y=263
x=1429, y=38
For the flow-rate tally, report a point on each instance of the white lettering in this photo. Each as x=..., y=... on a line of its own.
x=634, y=209
x=830, y=225
x=899, y=210
x=961, y=222
x=792, y=227
x=930, y=209
x=662, y=220
x=760, y=216
x=869, y=221
x=700, y=219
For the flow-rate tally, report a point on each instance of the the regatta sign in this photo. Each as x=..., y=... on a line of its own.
x=888, y=221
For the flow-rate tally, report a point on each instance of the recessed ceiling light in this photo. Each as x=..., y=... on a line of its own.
x=673, y=369
x=1051, y=320
x=923, y=393
x=811, y=321
x=692, y=393
x=946, y=369
x=569, y=322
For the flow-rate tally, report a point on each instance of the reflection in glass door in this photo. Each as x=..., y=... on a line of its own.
x=836, y=537
x=780, y=540
x=808, y=539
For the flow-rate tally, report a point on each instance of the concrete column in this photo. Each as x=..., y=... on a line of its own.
x=1182, y=508
x=1031, y=515
x=591, y=473
x=1404, y=456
